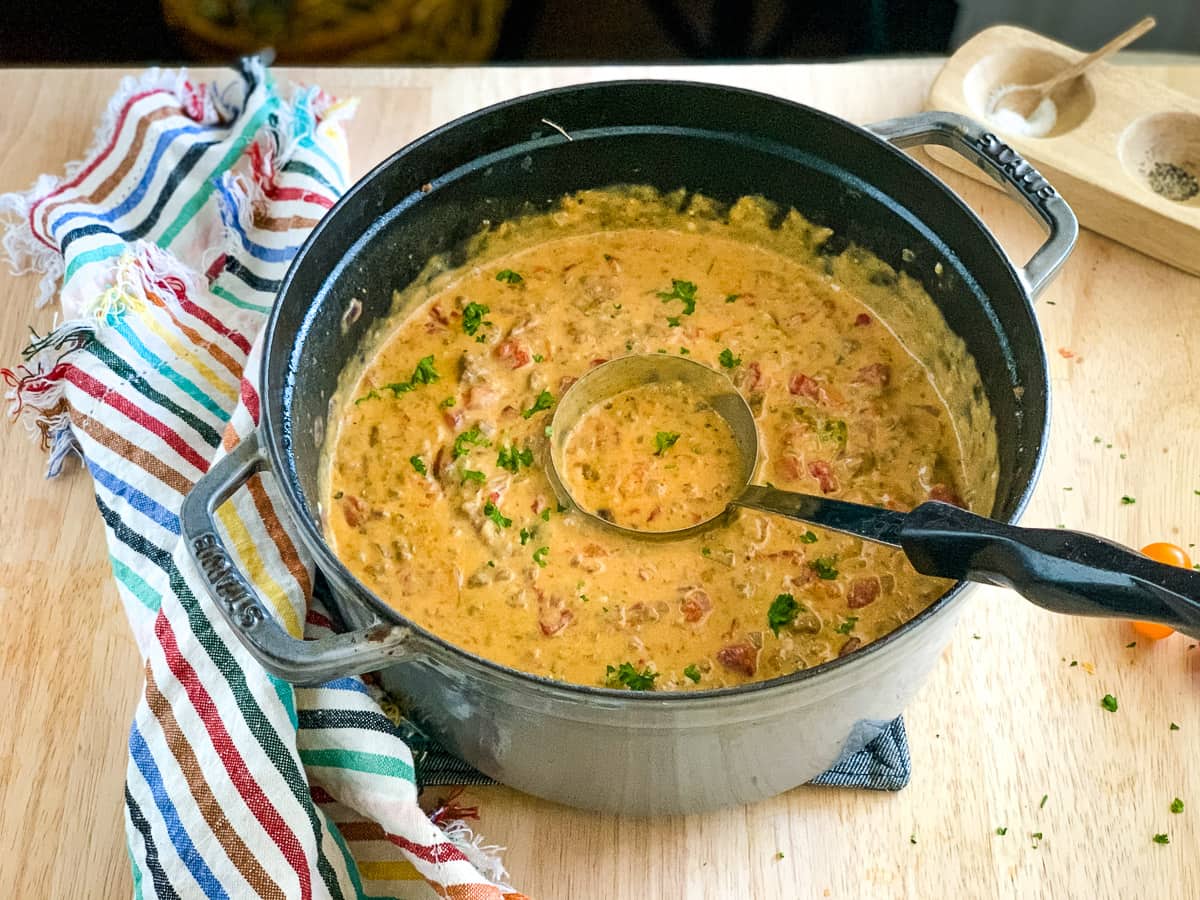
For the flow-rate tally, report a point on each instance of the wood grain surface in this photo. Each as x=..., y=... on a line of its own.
x=1003, y=720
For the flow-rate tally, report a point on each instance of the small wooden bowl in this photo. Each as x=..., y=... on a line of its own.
x=1124, y=151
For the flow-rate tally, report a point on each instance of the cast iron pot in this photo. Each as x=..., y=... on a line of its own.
x=615, y=750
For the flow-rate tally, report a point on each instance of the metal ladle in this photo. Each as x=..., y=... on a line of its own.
x=1062, y=571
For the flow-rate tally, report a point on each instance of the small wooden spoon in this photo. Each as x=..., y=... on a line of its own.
x=1023, y=99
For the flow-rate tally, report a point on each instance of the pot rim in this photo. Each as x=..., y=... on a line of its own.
x=332, y=567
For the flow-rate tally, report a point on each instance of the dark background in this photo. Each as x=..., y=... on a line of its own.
x=136, y=31
x=39, y=31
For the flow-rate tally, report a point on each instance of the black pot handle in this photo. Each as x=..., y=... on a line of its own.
x=297, y=661
x=1062, y=571
x=1006, y=166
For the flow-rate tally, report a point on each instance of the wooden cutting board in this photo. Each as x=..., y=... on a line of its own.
x=1003, y=720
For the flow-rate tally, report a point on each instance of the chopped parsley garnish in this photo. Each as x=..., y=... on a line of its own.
x=847, y=626
x=783, y=611
x=509, y=276
x=1002, y=830
x=692, y=673
x=684, y=351
x=627, y=676
x=1127, y=501
x=526, y=534
x=546, y=514
x=833, y=430
x=808, y=538
x=493, y=512
x=1161, y=839
x=424, y=373
x=447, y=403
x=681, y=290
x=472, y=437
x=544, y=401
x=539, y=555
x=473, y=314
x=472, y=475
x=729, y=298
x=1109, y=702
x=664, y=441
x=512, y=459
x=537, y=357
x=418, y=464
x=728, y=360
x=1177, y=806
x=673, y=321
x=825, y=567
x=706, y=551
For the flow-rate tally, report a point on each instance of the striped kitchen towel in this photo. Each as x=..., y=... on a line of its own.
x=166, y=246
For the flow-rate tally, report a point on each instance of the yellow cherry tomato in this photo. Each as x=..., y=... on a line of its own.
x=1170, y=555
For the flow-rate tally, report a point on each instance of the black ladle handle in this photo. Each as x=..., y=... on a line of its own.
x=1062, y=571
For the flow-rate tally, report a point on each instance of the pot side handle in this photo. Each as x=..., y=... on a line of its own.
x=1007, y=167
x=297, y=661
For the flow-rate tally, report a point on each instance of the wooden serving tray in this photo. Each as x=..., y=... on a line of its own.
x=1113, y=129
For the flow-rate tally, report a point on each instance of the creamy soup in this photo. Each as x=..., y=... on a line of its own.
x=652, y=458
x=435, y=493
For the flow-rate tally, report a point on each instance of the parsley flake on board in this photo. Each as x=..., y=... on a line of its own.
x=493, y=512
x=512, y=459
x=825, y=567
x=1174, y=727
x=1161, y=839
x=681, y=290
x=508, y=276
x=544, y=401
x=1042, y=805
x=692, y=673
x=1176, y=806
x=1109, y=702
x=472, y=437
x=418, y=464
x=728, y=360
x=539, y=555
x=783, y=612
x=664, y=441
x=1127, y=501
x=473, y=314
x=1002, y=830
x=625, y=675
